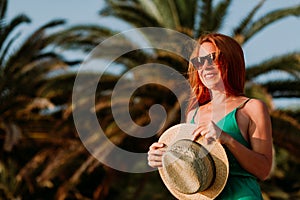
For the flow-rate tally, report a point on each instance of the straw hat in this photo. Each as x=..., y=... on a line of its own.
x=192, y=169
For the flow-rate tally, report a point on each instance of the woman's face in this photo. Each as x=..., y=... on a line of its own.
x=208, y=69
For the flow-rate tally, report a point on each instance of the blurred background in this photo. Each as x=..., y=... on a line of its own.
x=43, y=44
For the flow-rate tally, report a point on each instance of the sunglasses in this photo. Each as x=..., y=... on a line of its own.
x=198, y=62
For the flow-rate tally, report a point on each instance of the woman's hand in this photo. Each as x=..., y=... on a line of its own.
x=156, y=150
x=211, y=132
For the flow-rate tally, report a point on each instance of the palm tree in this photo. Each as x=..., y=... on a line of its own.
x=197, y=17
x=191, y=19
x=33, y=94
x=50, y=161
x=42, y=155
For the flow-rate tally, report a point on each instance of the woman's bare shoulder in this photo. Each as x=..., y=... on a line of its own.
x=255, y=107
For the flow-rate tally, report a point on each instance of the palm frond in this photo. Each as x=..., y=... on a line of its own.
x=174, y=13
x=84, y=37
x=270, y=18
x=3, y=9
x=205, y=16
x=7, y=29
x=289, y=63
x=257, y=91
x=186, y=13
x=132, y=14
x=63, y=84
x=283, y=88
x=6, y=50
x=239, y=30
x=286, y=132
x=29, y=49
x=151, y=8
x=219, y=13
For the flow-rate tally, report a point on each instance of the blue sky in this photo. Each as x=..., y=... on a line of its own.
x=279, y=38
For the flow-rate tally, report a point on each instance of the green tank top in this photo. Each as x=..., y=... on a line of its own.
x=241, y=185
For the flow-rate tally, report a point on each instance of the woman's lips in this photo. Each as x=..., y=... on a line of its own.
x=209, y=75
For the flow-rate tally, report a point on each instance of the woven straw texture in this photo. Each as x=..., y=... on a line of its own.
x=217, y=152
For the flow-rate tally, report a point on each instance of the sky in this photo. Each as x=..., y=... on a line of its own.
x=279, y=38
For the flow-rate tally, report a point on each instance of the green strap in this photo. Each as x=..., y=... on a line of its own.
x=193, y=119
x=241, y=105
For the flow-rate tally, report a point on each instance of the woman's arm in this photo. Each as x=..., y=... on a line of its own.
x=258, y=159
x=256, y=125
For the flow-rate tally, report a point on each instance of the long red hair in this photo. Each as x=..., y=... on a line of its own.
x=230, y=59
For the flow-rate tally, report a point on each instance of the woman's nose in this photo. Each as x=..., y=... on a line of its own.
x=208, y=66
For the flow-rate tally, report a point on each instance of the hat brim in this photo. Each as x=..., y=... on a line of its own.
x=216, y=150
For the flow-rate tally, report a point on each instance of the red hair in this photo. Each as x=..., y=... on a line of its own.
x=230, y=59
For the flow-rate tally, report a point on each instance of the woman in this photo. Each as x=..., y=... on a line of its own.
x=223, y=113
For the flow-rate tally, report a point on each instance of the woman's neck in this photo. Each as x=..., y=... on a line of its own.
x=218, y=97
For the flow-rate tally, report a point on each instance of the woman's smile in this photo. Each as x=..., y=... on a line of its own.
x=210, y=75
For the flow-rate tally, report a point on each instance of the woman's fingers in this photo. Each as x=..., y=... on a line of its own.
x=155, y=153
x=201, y=130
x=155, y=160
x=155, y=164
x=156, y=145
x=209, y=130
